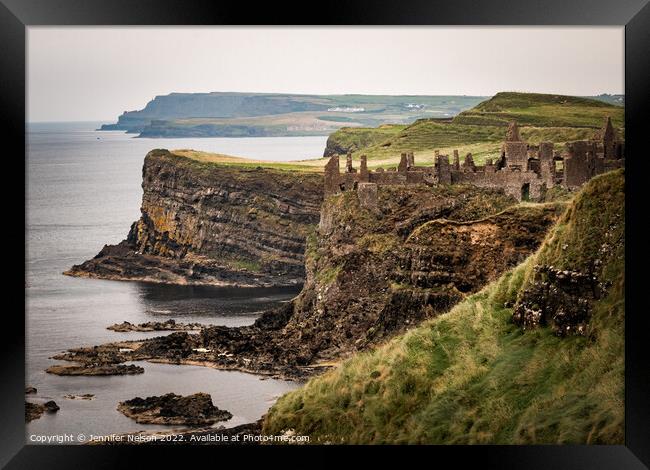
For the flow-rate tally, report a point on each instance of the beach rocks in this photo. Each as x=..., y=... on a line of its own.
x=168, y=325
x=35, y=410
x=191, y=410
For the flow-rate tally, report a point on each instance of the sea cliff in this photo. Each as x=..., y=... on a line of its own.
x=214, y=224
x=371, y=273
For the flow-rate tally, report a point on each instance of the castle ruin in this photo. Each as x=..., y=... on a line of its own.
x=523, y=170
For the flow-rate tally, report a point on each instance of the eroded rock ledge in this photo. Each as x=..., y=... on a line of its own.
x=209, y=224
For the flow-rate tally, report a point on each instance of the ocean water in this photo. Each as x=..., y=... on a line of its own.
x=84, y=190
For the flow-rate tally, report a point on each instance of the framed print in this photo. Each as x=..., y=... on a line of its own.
x=396, y=225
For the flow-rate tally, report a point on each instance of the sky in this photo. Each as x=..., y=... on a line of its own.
x=96, y=73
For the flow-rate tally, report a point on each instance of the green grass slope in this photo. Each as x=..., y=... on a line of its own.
x=471, y=376
x=533, y=109
x=480, y=130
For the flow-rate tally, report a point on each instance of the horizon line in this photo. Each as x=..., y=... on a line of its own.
x=41, y=121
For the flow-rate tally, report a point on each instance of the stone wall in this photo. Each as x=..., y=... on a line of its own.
x=523, y=185
x=524, y=171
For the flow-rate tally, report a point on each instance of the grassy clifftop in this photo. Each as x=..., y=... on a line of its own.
x=473, y=376
x=533, y=109
x=480, y=130
x=217, y=159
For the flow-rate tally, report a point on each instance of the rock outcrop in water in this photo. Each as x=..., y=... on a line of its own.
x=35, y=410
x=192, y=410
x=210, y=224
x=95, y=369
x=168, y=325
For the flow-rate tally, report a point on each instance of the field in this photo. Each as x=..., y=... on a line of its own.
x=242, y=162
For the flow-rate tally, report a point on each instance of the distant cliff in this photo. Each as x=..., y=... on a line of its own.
x=212, y=105
x=226, y=114
x=204, y=223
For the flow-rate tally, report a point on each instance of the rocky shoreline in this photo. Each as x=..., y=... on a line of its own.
x=168, y=325
x=241, y=353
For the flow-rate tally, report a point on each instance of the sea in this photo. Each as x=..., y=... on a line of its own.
x=83, y=190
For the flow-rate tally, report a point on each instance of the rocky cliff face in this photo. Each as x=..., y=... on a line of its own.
x=371, y=273
x=471, y=375
x=204, y=223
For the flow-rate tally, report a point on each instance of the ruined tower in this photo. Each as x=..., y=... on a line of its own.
x=364, y=176
x=547, y=163
x=514, y=150
x=456, y=161
x=332, y=175
x=443, y=169
x=577, y=164
x=612, y=146
x=410, y=160
x=348, y=164
x=403, y=163
x=468, y=164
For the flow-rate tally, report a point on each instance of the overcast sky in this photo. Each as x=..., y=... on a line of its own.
x=97, y=73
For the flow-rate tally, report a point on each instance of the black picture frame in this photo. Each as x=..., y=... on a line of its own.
x=16, y=15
